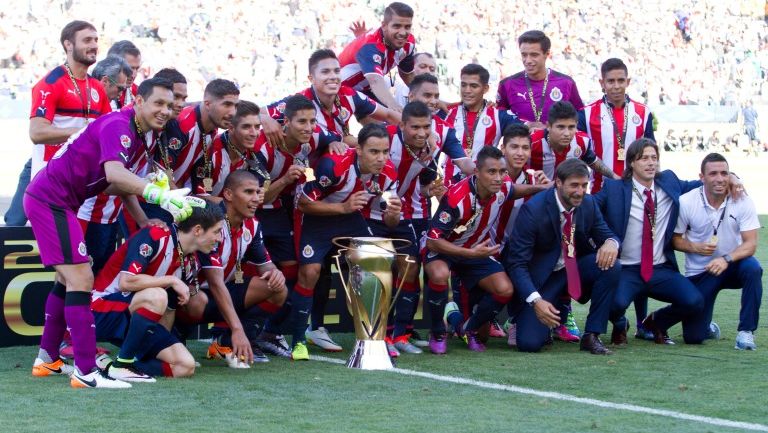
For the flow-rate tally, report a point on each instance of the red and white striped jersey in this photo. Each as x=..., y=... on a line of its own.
x=595, y=121
x=510, y=209
x=278, y=161
x=488, y=132
x=368, y=54
x=412, y=173
x=151, y=251
x=197, y=143
x=55, y=98
x=463, y=219
x=244, y=245
x=350, y=102
x=221, y=165
x=337, y=177
x=545, y=159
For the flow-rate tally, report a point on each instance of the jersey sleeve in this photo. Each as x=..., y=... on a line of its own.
x=452, y=146
x=325, y=178
x=44, y=100
x=501, y=97
x=210, y=261
x=257, y=253
x=748, y=219
x=324, y=139
x=197, y=178
x=581, y=123
x=575, y=98
x=443, y=221
x=406, y=65
x=682, y=218
x=276, y=110
x=648, y=133
x=506, y=118
x=370, y=59
x=588, y=155
x=364, y=106
x=142, y=247
x=111, y=135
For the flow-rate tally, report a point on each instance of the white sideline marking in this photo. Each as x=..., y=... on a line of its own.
x=566, y=397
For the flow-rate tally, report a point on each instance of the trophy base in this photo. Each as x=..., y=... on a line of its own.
x=370, y=355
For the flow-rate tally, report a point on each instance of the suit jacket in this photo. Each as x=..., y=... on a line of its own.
x=615, y=200
x=535, y=244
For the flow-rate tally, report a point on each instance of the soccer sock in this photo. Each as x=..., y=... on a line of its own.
x=143, y=321
x=77, y=313
x=437, y=297
x=404, y=308
x=154, y=367
x=218, y=330
x=254, y=317
x=301, y=298
x=321, y=295
x=487, y=309
x=275, y=321
x=55, y=325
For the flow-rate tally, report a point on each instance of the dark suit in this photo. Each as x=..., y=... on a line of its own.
x=533, y=253
x=666, y=284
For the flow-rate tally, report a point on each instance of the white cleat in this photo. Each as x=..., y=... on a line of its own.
x=96, y=379
x=320, y=338
x=745, y=341
x=128, y=373
x=233, y=362
x=103, y=361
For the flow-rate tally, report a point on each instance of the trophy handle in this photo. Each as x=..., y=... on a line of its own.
x=341, y=275
x=408, y=262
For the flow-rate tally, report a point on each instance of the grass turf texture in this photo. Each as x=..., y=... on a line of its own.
x=712, y=380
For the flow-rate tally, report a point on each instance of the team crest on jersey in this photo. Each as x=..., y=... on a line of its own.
x=344, y=113
x=486, y=120
x=377, y=58
x=280, y=107
x=306, y=148
x=247, y=236
x=174, y=143
x=577, y=152
x=308, y=252
x=145, y=250
x=500, y=198
x=81, y=249
x=324, y=181
x=556, y=94
x=444, y=217
x=95, y=95
x=636, y=119
x=125, y=141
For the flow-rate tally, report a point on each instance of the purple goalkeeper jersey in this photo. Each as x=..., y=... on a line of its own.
x=514, y=95
x=76, y=171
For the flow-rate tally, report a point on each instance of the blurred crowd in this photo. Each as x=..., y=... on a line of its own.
x=679, y=52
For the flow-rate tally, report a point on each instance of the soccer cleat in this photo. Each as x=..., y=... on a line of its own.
x=276, y=345
x=511, y=333
x=96, y=379
x=258, y=355
x=102, y=361
x=571, y=326
x=391, y=349
x=451, y=309
x=217, y=351
x=403, y=345
x=438, y=344
x=416, y=339
x=495, y=330
x=300, y=352
x=320, y=338
x=714, y=331
x=66, y=351
x=41, y=368
x=562, y=334
x=127, y=372
x=473, y=343
x=745, y=340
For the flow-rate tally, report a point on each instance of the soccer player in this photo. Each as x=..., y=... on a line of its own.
x=231, y=150
x=366, y=61
x=551, y=255
x=67, y=98
x=461, y=239
x=112, y=73
x=477, y=123
x=243, y=285
x=128, y=51
x=143, y=282
x=97, y=158
x=348, y=190
x=334, y=103
x=719, y=237
x=531, y=92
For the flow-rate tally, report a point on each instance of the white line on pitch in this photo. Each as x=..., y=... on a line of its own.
x=565, y=397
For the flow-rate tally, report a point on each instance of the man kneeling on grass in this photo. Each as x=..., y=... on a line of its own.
x=141, y=285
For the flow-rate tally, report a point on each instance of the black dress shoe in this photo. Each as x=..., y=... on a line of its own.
x=660, y=336
x=590, y=342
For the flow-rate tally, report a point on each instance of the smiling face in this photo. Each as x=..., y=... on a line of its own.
x=326, y=77
x=472, y=90
x=179, y=98
x=716, y=178
x=244, y=199
x=572, y=190
x=416, y=130
x=517, y=151
x=156, y=110
x=246, y=131
x=614, y=84
x=396, y=31
x=645, y=166
x=534, y=58
x=490, y=175
x=428, y=93
x=301, y=125
x=221, y=110
x=85, y=47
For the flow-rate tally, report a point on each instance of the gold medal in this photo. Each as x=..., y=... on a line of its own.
x=571, y=250
x=208, y=184
x=239, y=277
x=713, y=240
x=309, y=174
x=620, y=154
x=460, y=229
x=266, y=185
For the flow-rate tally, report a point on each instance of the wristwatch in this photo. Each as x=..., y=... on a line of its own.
x=728, y=259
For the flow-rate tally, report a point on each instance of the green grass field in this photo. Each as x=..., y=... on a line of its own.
x=712, y=380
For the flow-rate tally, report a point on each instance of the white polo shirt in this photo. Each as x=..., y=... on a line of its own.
x=698, y=219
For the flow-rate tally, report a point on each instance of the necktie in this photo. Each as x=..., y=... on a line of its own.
x=571, y=267
x=646, y=247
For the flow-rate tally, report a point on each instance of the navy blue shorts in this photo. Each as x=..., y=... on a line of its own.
x=317, y=233
x=237, y=292
x=470, y=271
x=277, y=228
x=420, y=227
x=404, y=230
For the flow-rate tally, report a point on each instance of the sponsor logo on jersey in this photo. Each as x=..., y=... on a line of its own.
x=324, y=181
x=145, y=250
x=174, y=143
x=125, y=141
x=444, y=217
x=135, y=267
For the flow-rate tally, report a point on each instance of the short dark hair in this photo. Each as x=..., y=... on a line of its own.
x=486, y=153
x=220, y=88
x=172, y=75
x=318, y=56
x=68, y=32
x=206, y=217
x=475, y=69
x=571, y=167
x=371, y=130
x=422, y=53
x=111, y=67
x=237, y=177
x=535, y=37
x=516, y=130
x=121, y=48
x=712, y=157
x=420, y=79
x=415, y=109
x=399, y=9
x=612, y=64
x=561, y=110
x=148, y=86
x=296, y=103
x=244, y=108
x=634, y=152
